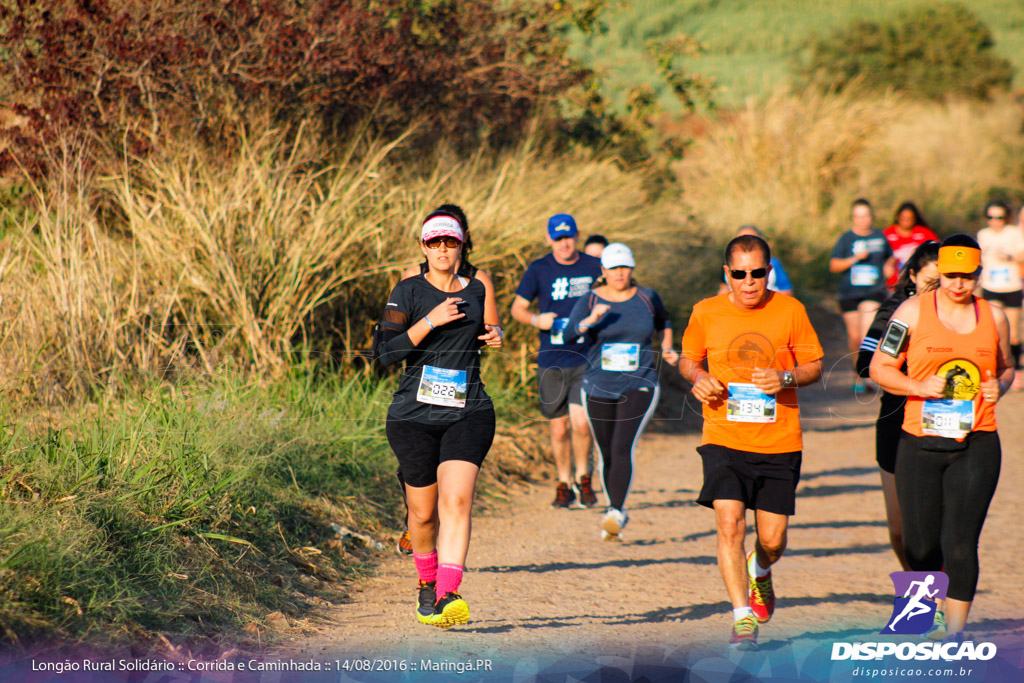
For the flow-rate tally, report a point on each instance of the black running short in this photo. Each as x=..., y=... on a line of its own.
x=850, y=305
x=421, y=448
x=762, y=481
x=1007, y=299
x=558, y=387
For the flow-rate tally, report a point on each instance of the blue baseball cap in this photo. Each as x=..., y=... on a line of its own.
x=561, y=225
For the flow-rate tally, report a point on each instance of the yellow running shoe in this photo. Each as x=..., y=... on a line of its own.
x=449, y=611
x=744, y=633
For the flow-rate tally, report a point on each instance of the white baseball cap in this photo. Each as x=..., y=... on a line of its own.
x=617, y=255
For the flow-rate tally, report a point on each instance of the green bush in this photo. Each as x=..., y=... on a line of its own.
x=929, y=52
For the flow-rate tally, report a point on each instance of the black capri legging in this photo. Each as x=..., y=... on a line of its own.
x=617, y=425
x=944, y=498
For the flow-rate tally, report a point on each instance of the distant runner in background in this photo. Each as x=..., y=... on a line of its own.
x=778, y=280
x=759, y=347
x=919, y=274
x=1002, y=252
x=557, y=281
x=863, y=258
x=907, y=233
x=594, y=245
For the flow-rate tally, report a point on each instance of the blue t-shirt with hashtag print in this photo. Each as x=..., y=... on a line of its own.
x=557, y=287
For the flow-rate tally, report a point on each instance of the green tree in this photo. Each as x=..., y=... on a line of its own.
x=929, y=52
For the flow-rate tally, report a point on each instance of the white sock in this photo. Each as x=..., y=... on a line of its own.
x=740, y=612
x=759, y=571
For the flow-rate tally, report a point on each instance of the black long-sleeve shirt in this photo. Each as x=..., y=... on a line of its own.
x=445, y=367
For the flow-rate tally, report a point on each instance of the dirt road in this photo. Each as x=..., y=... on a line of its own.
x=546, y=594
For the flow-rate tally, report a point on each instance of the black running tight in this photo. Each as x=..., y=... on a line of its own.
x=617, y=425
x=944, y=498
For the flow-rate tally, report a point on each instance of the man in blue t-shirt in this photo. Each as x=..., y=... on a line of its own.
x=556, y=281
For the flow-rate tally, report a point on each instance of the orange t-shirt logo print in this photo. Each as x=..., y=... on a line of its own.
x=748, y=352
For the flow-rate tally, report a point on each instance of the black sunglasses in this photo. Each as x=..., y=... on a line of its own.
x=450, y=242
x=756, y=273
x=996, y=218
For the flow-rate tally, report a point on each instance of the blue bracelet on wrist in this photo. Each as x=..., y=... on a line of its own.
x=428, y=322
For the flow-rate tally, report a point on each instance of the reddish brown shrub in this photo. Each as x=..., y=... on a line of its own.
x=132, y=71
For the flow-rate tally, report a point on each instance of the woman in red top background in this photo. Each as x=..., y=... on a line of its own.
x=908, y=231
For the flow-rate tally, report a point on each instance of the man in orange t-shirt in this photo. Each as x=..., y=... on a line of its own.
x=759, y=347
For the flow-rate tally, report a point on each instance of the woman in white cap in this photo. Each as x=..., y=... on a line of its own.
x=440, y=422
x=620, y=387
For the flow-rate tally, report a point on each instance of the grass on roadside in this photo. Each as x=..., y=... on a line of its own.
x=195, y=510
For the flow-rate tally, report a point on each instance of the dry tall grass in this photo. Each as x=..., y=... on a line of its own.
x=196, y=257
x=793, y=164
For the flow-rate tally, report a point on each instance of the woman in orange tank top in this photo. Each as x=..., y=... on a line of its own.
x=957, y=350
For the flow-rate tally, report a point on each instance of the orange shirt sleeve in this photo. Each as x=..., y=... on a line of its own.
x=695, y=338
x=806, y=347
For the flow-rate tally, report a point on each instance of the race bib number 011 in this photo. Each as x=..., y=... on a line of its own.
x=442, y=387
x=620, y=357
x=747, y=403
x=951, y=418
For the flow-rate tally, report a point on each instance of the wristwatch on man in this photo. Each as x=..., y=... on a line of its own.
x=787, y=379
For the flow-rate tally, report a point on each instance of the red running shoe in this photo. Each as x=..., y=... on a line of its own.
x=762, y=595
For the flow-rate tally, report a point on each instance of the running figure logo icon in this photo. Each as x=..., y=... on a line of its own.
x=913, y=608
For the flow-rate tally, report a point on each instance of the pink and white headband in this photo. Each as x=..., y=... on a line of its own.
x=441, y=226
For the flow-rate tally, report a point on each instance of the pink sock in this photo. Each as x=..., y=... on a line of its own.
x=449, y=576
x=426, y=566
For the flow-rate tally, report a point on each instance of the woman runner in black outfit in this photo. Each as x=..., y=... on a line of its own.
x=441, y=422
x=919, y=274
x=466, y=270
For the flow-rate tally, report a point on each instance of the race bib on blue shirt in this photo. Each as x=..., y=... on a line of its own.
x=558, y=331
x=863, y=275
x=619, y=357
